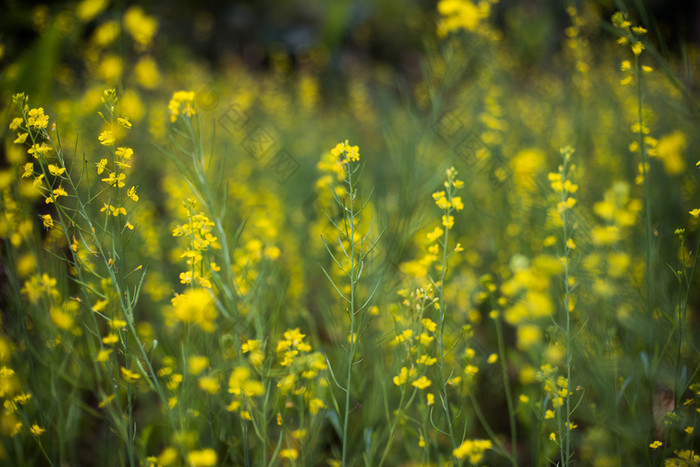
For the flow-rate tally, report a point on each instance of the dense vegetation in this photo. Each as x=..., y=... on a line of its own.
x=482, y=253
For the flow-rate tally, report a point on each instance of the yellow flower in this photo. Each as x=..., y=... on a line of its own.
x=131, y=193
x=113, y=180
x=140, y=26
x=448, y=221
x=28, y=170
x=435, y=234
x=472, y=448
x=208, y=384
x=106, y=138
x=627, y=80
x=528, y=336
x=425, y=339
x=58, y=192
x=338, y=149
x=22, y=398
x=460, y=14
x=39, y=150
x=428, y=361
x=47, y=220
x=197, y=364
x=129, y=375
x=103, y=355
x=55, y=170
x=493, y=358
x=471, y=370
x=289, y=454
x=195, y=306
x=37, y=119
x=442, y=203
x=353, y=152
x=429, y=324
x=110, y=339
x=315, y=405
x=147, y=74
x=403, y=375
x=16, y=123
x=182, y=103
x=88, y=9
x=421, y=383
x=101, y=166
x=124, y=122
x=637, y=48
x=36, y=430
x=656, y=444
x=124, y=153
x=240, y=383
x=202, y=458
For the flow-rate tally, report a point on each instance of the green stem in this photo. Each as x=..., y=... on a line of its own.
x=353, y=281
x=682, y=309
x=649, y=266
x=489, y=431
x=441, y=338
x=506, y=387
x=392, y=429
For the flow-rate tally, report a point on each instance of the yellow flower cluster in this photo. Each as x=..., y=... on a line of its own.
x=448, y=202
x=684, y=457
x=195, y=306
x=631, y=35
x=618, y=211
x=32, y=130
x=200, y=240
x=140, y=26
x=461, y=14
x=302, y=368
x=202, y=458
x=121, y=157
x=244, y=388
x=473, y=449
x=556, y=386
x=345, y=153
x=181, y=104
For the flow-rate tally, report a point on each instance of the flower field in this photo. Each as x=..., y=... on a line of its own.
x=484, y=255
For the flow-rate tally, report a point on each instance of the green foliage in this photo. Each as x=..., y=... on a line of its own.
x=195, y=273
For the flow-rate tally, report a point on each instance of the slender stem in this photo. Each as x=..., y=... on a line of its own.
x=43, y=451
x=441, y=339
x=649, y=265
x=392, y=429
x=569, y=353
x=506, y=387
x=353, y=280
x=682, y=309
x=487, y=427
